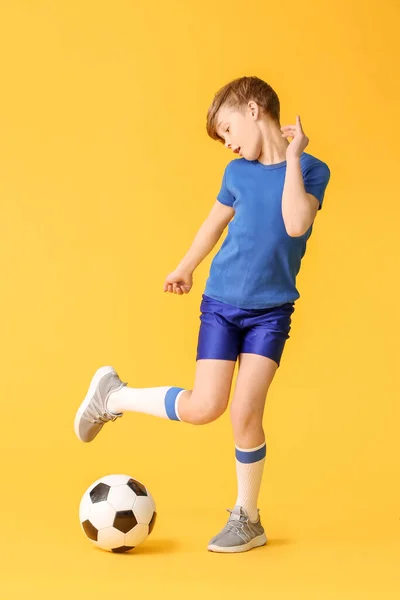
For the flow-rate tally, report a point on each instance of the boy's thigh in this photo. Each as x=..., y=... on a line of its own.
x=213, y=382
x=255, y=375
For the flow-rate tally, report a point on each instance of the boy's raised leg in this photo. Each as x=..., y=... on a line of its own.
x=108, y=397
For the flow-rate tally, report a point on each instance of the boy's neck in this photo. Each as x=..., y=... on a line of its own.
x=274, y=146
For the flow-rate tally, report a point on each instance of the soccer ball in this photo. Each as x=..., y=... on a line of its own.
x=117, y=513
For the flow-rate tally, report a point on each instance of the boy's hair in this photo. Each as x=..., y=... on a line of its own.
x=236, y=94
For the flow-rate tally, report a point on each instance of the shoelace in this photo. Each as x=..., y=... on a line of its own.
x=236, y=525
x=104, y=418
x=97, y=414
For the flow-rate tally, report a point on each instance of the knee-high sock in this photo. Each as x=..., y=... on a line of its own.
x=158, y=401
x=249, y=470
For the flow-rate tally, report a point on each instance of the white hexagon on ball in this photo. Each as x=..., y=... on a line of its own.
x=151, y=500
x=121, y=497
x=143, y=509
x=137, y=535
x=84, y=508
x=110, y=538
x=101, y=515
x=112, y=480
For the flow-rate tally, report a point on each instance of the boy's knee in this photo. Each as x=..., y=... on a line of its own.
x=208, y=413
x=245, y=420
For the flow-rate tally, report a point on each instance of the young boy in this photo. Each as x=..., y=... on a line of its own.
x=268, y=199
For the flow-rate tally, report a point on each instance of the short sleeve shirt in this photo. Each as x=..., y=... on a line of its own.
x=257, y=264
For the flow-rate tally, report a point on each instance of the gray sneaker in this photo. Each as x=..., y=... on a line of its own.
x=239, y=534
x=93, y=413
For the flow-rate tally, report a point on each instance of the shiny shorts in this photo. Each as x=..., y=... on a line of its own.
x=226, y=331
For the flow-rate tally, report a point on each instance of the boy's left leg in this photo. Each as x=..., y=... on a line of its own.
x=244, y=530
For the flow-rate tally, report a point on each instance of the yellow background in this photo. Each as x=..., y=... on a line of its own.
x=106, y=173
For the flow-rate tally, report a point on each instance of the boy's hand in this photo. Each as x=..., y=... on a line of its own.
x=300, y=140
x=179, y=282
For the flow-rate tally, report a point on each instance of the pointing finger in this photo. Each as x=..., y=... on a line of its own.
x=298, y=122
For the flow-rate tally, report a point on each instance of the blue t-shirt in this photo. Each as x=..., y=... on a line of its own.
x=257, y=264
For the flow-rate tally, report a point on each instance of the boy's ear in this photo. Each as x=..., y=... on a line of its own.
x=253, y=107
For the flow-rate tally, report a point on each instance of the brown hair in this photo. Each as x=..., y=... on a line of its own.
x=236, y=94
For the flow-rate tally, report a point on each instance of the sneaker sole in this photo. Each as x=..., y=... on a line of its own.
x=260, y=540
x=92, y=388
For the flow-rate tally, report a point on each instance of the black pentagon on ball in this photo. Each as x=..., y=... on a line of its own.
x=123, y=549
x=99, y=493
x=152, y=522
x=137, y=487
x=124, y=520
x=90, y=530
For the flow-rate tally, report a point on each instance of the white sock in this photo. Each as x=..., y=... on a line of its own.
x=159, y=401
x=249, y=470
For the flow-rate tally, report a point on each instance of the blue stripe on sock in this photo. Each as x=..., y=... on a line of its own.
x=170, y=398
x=252, y=455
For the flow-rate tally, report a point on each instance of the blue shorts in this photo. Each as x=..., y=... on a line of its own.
x=226, y=331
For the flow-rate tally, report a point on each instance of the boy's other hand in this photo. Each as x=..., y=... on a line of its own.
x=299, y=142
x=179, y=282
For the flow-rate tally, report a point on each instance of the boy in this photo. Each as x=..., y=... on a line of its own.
x=268, y=199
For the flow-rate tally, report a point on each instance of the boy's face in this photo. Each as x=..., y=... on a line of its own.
x=239, y=131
